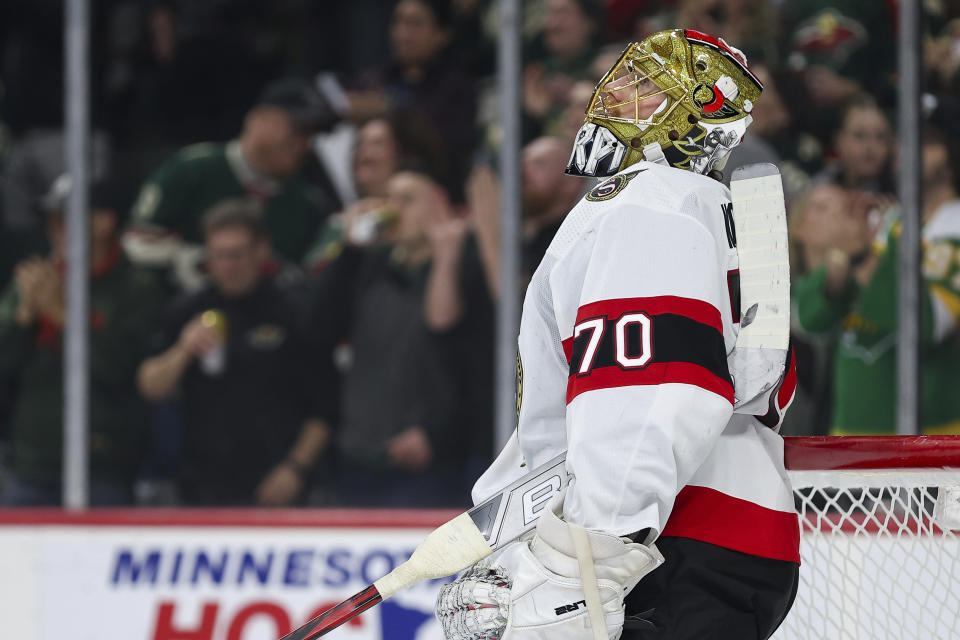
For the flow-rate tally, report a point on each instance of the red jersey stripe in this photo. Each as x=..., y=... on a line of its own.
x=702, y=312
x=654, y=373
x=708, y=515
x=789, y=383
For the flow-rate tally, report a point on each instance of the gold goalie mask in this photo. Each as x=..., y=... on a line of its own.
x=679, y=98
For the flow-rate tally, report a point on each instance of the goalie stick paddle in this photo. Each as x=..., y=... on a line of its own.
x=454, y=545
x=757, y=363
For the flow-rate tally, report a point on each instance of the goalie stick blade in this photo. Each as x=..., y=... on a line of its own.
x=454, y=545
x=336, y=616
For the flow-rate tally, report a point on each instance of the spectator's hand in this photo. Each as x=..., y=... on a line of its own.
x=826, y=87
x=446, y=229
x=362, y=226
x=864, y=220
x=197, y=338
x=48, y=292
x=849, y=231
x=367, y=104
x=877, y=207
x=446, y=236
x=280, y=487
x=536, y=91
x=27, y=276
x=869, y=207
x=863, y=272
x=558, y=87
x=850, y=236
x=410, y=449
x=483, y=200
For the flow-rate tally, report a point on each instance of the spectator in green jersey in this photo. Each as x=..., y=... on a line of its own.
x=263, y=164
x=123, y=302
x=853, y=292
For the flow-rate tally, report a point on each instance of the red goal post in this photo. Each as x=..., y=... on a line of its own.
x=880, y=537
x=850, y=453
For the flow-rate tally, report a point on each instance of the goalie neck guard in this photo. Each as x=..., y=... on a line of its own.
x=679, y=98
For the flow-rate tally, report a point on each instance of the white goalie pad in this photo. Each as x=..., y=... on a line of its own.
x=757, y=362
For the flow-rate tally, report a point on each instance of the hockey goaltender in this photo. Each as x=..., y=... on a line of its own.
x=678, y=521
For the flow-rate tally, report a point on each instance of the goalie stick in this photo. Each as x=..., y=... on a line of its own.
x=454, y=545
x=760, y=354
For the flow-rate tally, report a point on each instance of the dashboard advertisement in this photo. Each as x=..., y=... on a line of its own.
x=196, y=582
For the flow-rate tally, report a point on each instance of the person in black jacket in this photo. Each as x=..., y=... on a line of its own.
x=407, y=427
x=257, y=397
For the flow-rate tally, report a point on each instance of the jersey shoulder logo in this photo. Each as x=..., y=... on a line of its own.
x=611, y=187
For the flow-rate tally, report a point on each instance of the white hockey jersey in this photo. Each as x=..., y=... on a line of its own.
x=627, y=325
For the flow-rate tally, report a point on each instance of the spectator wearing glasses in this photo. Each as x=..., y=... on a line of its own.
x=256, y=395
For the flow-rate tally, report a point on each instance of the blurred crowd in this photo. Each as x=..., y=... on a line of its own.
x=294, y=230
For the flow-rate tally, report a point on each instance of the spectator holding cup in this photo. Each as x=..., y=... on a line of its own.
x=392, y=295
x=255, y=394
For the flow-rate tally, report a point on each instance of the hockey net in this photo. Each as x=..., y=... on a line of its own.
x=880, y=537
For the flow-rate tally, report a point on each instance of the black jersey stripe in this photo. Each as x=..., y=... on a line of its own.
x=674, y=338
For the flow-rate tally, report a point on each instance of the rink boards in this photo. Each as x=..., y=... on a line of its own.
x=161, y=575
x=206, y=577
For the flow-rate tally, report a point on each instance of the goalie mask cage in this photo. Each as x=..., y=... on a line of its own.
x=880, y=538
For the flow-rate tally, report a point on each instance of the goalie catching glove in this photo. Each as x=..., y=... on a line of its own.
x=565, y=583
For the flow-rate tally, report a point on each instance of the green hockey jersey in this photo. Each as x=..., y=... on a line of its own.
x=865, y=322
x=199, y=176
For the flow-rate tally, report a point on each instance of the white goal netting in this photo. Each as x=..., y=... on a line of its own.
x=880, y=553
